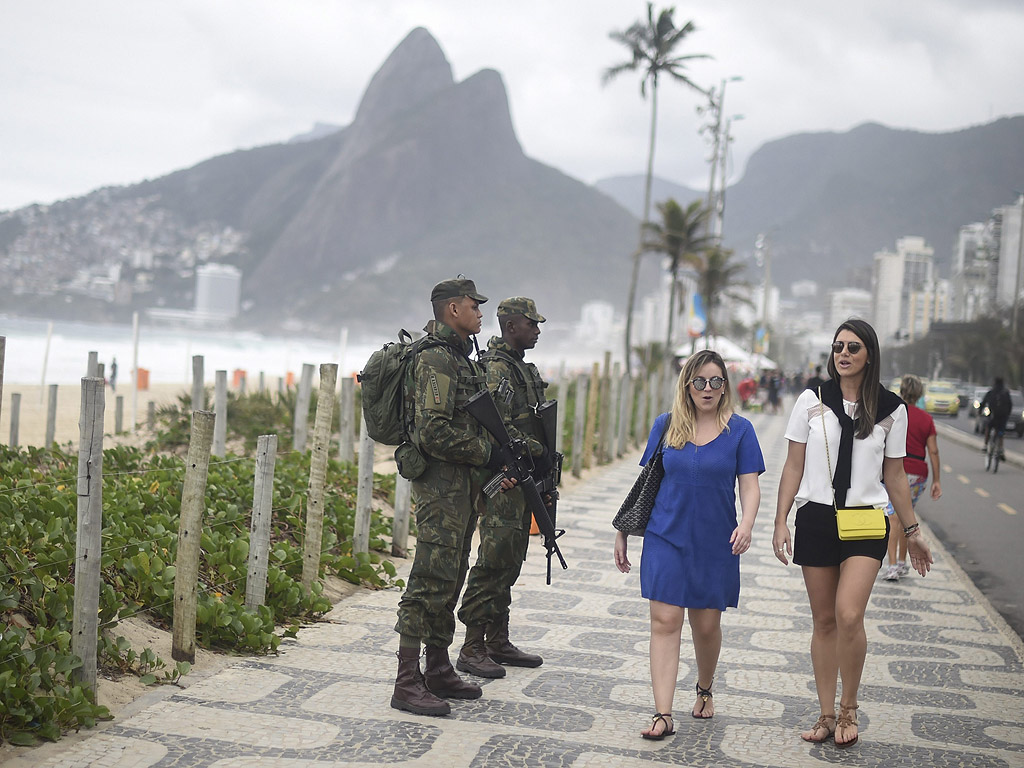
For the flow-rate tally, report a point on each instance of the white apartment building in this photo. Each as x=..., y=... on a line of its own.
x=844, y=303
x=1009, y=277
x=895, y=277
x=218, y=288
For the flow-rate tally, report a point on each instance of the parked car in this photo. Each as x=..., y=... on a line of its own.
x=1014, y=422
x=965, y=391
x=979, y=395
x=940, y=397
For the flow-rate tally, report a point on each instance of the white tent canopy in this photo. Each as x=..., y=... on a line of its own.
x=735, y=356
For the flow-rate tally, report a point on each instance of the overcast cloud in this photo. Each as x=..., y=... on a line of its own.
x=115, y=91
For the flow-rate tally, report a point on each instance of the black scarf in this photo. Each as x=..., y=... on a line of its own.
x=832, y=396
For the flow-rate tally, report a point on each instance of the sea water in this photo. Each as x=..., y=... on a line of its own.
x=165, y=352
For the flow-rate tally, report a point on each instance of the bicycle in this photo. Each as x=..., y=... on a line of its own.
x=994, y=453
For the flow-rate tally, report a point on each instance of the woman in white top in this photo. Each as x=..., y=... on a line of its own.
x=865, y=429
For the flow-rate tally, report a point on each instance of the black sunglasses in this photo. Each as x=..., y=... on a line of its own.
x=853, y=346
x=700, y=382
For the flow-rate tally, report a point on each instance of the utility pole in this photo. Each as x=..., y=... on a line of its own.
x=720, y=143
x=1019, y=271
x=763, y=255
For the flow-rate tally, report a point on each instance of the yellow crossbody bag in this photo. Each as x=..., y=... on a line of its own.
x=858, y=523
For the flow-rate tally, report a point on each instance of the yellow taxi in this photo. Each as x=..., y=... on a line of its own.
x=941, y=398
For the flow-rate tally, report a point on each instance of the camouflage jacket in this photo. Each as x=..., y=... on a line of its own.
x=505, y=362
x=444, y=378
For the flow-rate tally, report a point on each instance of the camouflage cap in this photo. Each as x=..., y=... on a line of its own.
x=520, y=305
x=453, y=289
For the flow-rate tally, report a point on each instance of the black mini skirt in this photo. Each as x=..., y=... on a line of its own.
x=817, y=541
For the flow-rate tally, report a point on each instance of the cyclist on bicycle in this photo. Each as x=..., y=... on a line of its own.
x=999, y=406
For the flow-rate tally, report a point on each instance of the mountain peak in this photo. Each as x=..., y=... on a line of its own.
x=415, y=71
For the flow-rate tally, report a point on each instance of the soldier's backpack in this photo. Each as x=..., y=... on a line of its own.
x=387, y=394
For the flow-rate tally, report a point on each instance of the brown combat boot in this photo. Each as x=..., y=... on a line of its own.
x=411, y=692
x=444, y=681
x=473, y=657
x=501, y=650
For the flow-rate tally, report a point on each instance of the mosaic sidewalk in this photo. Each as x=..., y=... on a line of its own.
x=942, y=684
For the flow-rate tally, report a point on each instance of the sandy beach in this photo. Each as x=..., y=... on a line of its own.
x=34, y=405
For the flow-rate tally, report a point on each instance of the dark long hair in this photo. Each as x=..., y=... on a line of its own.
x=870, y=383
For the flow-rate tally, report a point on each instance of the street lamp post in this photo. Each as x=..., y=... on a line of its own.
x=716, y=106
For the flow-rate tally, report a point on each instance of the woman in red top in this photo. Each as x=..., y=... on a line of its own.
x=920, y=435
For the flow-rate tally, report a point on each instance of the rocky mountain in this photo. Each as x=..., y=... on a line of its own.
x=352, y=227
x=829, y=201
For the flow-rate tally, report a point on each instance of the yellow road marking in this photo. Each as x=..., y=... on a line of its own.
x=1007, y=508
x=963, y=479
x=982, y=492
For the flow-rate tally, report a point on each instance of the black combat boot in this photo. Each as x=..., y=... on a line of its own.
x=411, y=693
x=501, y=650
x=444, y=681
x=473, y=657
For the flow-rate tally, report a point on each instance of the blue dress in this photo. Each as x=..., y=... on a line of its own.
x=687, y=559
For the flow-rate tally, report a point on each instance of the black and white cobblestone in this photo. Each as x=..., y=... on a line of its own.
x=942, y=685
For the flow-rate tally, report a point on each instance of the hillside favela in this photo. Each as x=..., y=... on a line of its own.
x=393, y=385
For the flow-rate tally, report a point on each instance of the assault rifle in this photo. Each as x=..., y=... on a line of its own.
x=547, y=412
x=516, y=457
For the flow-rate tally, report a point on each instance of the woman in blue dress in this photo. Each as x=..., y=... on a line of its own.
x=692, y=546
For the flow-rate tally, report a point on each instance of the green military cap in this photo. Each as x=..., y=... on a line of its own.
x=453, y=289
x=520, y=305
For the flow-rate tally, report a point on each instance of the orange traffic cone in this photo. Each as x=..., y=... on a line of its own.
x=534, y=528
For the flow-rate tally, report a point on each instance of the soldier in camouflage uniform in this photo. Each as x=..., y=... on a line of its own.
x=505, y=528
x=448, y=498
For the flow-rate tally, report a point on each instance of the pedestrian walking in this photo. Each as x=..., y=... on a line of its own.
x=691, y=555
x=920, y=439
x=853, y=424
x=448, y=497
x=113, y=375
x=505, y=526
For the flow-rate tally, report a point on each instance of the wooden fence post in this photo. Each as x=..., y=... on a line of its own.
x=220, y=411
x=190, y=531
x=593, y=394
x=15, y=418
x=614, y=393
x=653, y=399
x=93, y=366
x=563, y=405
x=198, y=380
x=312, y=543
x=346, y=420
x=263, y=382
x=51, y=415
x=625, y=412
x=300, y=421
x=639, y=413
x=259, y=534
x=579, y=420
x=364, y=492
x=118, y=414
x=400, y=524
x=85, y=621
x=151, y=415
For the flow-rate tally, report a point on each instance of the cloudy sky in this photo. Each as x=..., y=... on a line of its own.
x=115, y=91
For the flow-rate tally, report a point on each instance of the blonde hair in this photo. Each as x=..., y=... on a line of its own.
x=911, y=388
x=683, y=426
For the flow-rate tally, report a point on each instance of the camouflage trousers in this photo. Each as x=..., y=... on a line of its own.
x=448, y=499
x=504, y=538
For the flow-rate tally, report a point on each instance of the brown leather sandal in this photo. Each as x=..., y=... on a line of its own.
x=668, y=729
x=826, y=723
x=847, y=719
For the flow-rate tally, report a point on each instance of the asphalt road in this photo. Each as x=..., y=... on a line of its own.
x=980, y=517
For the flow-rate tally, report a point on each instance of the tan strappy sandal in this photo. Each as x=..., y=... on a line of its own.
x=826, y=723
x=847, y=719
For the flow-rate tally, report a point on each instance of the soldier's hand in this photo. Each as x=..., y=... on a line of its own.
x=508, y=484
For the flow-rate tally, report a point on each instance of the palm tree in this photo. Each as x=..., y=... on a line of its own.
x=717, y=279
x=679, y=237
x=651, y=47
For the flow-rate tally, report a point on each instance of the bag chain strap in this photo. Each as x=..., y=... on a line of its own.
x=828, y=456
